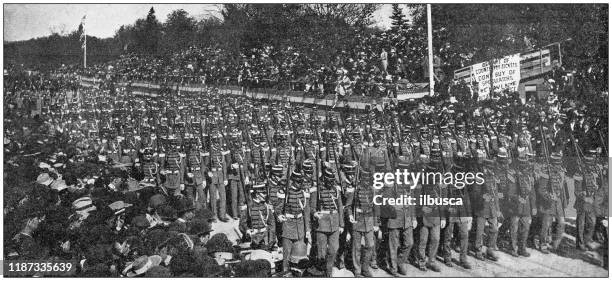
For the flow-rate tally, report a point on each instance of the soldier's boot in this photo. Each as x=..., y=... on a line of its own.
x=433, y=266
x=394, y=272
x=403, y=268
x=514, y=251
x=340, y=264
x=464, y=263
x=367, y=272
x=523, y=252
x=448, y=261
x=480, y=254
x=555, y=245
x=422, y=265
x=318, y=268
x=544, y=249
x=492, y=255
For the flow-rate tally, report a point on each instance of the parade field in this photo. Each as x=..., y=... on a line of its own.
x=305, y=140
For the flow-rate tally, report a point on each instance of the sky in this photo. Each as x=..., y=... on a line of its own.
x=26, y=21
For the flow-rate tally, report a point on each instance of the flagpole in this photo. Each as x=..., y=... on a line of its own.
x=430, y=51
x=85, y=51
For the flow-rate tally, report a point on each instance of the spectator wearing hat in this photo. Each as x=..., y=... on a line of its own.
x=23, y=245
x=220, y=248
x=141, y=265
x=185, y=212
x=200, y=230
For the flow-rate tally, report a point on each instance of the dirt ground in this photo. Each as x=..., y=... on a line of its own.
x=573, y=263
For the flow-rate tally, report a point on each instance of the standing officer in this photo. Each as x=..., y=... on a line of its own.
x=294, y=214
x=216, y=163
x=586, y=191
x=173, y=167
x=195, y=174
x=486, y=209
x=364, y=217
x=522, y=206
x=257, y=217
x=459, y=216
x=328, y=219
x=553, y=201
x=401, y=227
x=431, y=217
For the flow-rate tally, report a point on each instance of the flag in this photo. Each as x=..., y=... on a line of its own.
x=83, y=33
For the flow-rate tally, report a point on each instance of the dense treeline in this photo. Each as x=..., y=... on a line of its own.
x=463, y=34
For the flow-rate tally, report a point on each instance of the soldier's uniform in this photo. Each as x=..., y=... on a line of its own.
x=283, y=152
x=216, y=164
x=195, y=174
x=431, y=219
x=458, y=216
x=552, y=202
x=238, y=174
x=149, y=168
x=328, y=219
x=293, y=213
x=173, y=167
x=485, y=203
x=257, y=218
x=588, y=185
x=365, y=218
x=522, y=206
x=401, y=227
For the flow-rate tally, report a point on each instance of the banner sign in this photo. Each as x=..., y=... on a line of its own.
x=506, y=75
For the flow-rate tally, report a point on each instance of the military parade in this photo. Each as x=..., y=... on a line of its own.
x=211, y=184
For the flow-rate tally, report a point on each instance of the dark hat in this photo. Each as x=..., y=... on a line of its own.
x=307, y=167
x=253, y=268
x=328, y=175
x=184, y=205
x=157, y=237
x=98, y=253
x=157, y=200
x=277, y=170
x=141, y=221
x=96, y=270
x=296, y=176
x=219, y=243
x=158, y=272
x=199, y=227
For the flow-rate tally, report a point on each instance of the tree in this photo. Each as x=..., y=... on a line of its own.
x=352, y=14
x=398, y=18
x=179, y=31
x=468, y=34
x=150, y=33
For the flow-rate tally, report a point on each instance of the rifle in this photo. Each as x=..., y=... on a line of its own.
x=548, y=164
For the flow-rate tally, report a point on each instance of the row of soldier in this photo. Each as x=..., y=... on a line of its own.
x=291, y=170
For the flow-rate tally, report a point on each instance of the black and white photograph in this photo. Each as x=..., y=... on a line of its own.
x=289, y=140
